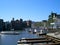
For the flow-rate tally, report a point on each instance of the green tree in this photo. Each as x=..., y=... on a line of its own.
x=38, y=24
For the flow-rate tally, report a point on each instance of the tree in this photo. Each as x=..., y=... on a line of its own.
x=44, y=23
x=38, y=24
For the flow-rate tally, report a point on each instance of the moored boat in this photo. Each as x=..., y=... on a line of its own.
x=35, y=31
x=10, y=32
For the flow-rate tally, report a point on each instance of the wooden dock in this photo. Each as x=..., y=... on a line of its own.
x=49, y=40
x=34, y=38
x=54, y=39
x=34, y=41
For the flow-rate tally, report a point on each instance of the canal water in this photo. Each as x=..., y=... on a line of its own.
x=12, y=39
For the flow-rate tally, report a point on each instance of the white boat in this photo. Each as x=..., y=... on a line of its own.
x=10, y=32
x=41, y=31
x=34, y=31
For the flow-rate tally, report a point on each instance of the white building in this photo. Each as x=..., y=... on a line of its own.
x=56, y=18
x=57, y=22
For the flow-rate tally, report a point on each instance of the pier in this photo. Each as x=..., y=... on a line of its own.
x=48, y=40
x=54, y=39
x=34, y=38
x=34, y=41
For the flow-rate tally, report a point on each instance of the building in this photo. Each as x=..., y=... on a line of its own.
x=7, y=26
x=29, y=23
x=18, y=24
x=54, y=19
x=1, y=25
x=12, y=23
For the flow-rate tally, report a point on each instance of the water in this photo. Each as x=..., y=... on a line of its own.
x=12, y=39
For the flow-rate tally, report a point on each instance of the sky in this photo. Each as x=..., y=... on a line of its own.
x=35, y=10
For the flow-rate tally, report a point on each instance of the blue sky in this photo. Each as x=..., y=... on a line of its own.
x=35, y=10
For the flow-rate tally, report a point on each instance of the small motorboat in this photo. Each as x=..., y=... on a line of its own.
x=42, y=32
x=35, y=31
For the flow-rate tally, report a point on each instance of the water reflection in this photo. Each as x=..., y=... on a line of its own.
x=9, y=39
x=12, y=39
x=0, y=39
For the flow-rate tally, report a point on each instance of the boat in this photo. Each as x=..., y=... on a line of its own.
x=10, y=32
x=35, y=31
x=42, y=32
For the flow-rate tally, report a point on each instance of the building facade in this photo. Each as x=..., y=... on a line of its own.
x=55, y=20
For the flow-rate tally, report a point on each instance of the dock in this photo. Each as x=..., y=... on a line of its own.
x=49, y=40
x=34, y=41
x=52, y=38
x=34, y=38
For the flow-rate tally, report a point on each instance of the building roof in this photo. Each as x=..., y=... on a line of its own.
x=58, y=16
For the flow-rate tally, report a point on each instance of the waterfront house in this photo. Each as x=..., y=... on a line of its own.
x=55, y=20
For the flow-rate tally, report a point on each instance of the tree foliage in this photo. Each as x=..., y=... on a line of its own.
x=38, y=24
